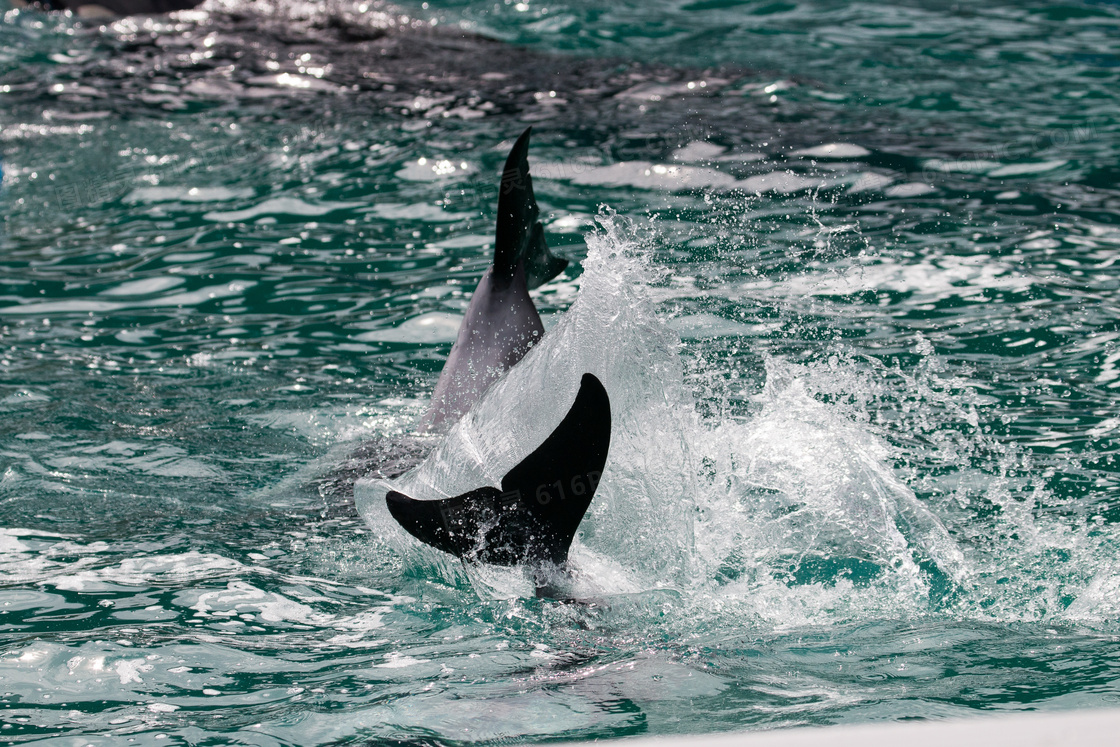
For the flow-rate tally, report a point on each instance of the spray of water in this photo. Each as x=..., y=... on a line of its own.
x=803, y=512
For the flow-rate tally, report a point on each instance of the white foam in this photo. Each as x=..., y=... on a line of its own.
x=130, y=670
x=240, y=598
x=399, y=661
x=9, y=544
x=655, y=521
x=30, y=556
x=177, y=568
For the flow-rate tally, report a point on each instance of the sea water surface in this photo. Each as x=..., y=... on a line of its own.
x=849, y=271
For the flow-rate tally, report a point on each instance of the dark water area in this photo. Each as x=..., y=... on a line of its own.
x=848, y=271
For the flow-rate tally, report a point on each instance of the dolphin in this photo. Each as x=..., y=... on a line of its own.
x=501, y=323
x=95, y=9
x=533, y=516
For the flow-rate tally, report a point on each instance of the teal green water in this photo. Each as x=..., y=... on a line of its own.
x=850, y=270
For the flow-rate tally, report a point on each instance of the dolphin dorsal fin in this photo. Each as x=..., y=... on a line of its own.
x=534, y=516
x=519, y=235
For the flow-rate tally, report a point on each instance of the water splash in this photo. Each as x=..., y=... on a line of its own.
x=802, y=498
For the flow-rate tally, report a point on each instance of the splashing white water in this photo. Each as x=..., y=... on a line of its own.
x=731, y=507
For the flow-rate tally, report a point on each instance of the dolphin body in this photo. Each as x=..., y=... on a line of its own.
x=113, y=8
x=501, y=323
x=533, y=517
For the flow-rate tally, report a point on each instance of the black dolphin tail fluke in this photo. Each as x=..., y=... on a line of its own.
x=520, y=236
x=534, y=516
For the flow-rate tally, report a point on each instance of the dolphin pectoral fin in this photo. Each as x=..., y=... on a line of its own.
x=519, y=235
x=533, y=518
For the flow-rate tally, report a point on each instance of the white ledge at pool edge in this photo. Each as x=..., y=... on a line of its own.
x=1034, y=729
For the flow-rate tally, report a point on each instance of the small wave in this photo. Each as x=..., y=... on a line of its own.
x=281, y=206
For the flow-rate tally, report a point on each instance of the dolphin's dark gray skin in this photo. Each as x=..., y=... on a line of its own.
x=501, y=323
x=106, y=8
